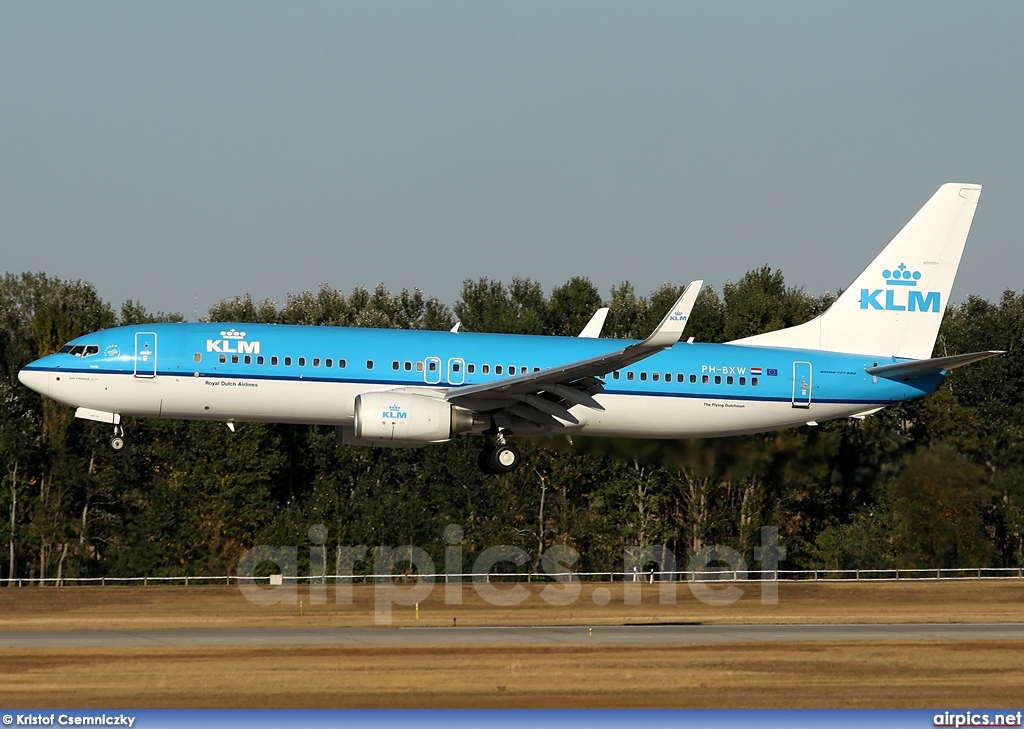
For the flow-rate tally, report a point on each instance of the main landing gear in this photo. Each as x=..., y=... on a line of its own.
x=499, y=457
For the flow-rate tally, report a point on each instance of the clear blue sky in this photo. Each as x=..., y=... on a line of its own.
x=186, y=152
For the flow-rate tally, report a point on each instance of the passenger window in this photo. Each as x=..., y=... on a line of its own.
x=273, y=361
x=316, y=361
x=486, y=369
x=680, y=377
x=523, y=370
x=615, y=375
x=655, y=376
x=668, y=377
x=693, y=379
x=342, y=364
x=704, y=379
x=328, y=362
x=248, y=359
x=718, y=379
x=456, y=367
x=260, y=360
x=234, y=359
x=287, y=361
x=432, y=366
x=743, y=381
x=197, y=357
x=471, y=368
x=302, y=361
x=497, y=369
x=536, y=369
x=408, y=366
x=629, y=375
x=643, y=377
x=369, y=364
x=395, y=365
x=728, y=380
x=223, y=358
x=419, y=366
x=753, y=382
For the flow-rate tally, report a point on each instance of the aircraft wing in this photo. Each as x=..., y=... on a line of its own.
x=546, y=395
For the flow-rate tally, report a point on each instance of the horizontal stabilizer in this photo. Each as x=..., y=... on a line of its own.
x=865, y=413
x=923, y=367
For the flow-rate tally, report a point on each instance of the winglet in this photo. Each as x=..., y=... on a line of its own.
x=593, y=328
x=671, y=327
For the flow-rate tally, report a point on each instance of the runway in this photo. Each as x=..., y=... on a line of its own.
x=639, y=635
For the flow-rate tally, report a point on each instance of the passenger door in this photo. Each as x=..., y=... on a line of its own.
x=801, y=384
x=145, y=354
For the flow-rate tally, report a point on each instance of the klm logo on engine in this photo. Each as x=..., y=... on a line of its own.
x=394, y=412
x=232, y=342
x=900, y=293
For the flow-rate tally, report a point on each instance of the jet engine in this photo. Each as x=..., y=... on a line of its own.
x=404, y=420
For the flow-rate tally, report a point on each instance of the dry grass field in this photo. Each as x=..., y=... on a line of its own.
x=869, y=674
x=120, y=608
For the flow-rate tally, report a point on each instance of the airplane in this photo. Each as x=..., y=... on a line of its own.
x=392, y=388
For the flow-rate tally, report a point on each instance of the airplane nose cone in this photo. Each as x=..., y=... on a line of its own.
x=35, y=380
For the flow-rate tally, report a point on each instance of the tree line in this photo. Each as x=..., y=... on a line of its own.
x=933, y=483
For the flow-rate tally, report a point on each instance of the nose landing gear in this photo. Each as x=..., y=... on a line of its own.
x=117, y=442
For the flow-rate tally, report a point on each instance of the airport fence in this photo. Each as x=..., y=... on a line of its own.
x=826, y=575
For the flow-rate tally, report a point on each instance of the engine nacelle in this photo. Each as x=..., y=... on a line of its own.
x=396, y=418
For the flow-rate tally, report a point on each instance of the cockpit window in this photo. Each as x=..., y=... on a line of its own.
x=79, y=350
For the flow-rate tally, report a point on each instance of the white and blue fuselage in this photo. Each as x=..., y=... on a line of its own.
x=301, y=374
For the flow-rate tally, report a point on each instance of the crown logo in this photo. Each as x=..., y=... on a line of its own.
x=233, y=334
x=395, y=408
x=901, y=276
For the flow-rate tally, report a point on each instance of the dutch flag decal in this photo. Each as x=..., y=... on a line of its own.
x=755, y=370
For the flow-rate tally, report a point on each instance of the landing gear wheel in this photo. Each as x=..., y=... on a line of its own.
x=483, y=460
x=504, y=458
x=117, y=442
